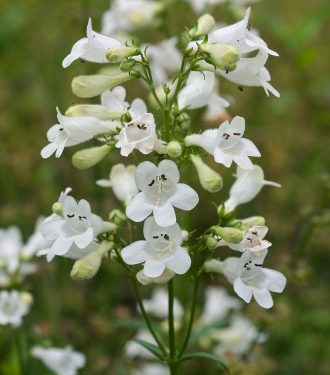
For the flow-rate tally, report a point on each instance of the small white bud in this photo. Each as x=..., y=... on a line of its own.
x=93, y=110
x=213, y=265
x=118, y=54
x=93, y=85
x=57, y=208
x=209, y=179
x=211, y=242
x=205, y=24
x=88, y=266
x=231, y=235
x=174, y=149
x=224, y=56
x=89, y=157
x=254, y=220
x=165, y=277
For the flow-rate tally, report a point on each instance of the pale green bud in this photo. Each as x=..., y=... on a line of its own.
x=205, y=24
x=127, y=65
x=93, y=110
x=231, y=235
x=209, y=179
x=224, y=56
x=88, y=266
x=116, y=55
x=57, y=208
x=93, y=85
x=117, y=216
x=213, y=265
x=254, y=220
x=27, y=297
x=211, y=242
x=165, y=277
x=174, y=149
x=89, y=157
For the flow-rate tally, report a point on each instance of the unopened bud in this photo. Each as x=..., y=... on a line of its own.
x=116, y=55
x=27, y=297
x=209, y=179
x=89, y=157
x=165, y=277
x=57, y=208
x=93, y=110
x=88, y=266
x=205, y=24
x=127, y=65
x=213, y=265
x=93, y=85
x=254, y=220
x=231, y=235
x=224, y=56
x=211, y=242
x=174, y=149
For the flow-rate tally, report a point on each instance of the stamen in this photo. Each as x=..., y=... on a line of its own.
x=70, y=216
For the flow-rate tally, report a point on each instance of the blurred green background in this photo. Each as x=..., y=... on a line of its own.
x=292, y=133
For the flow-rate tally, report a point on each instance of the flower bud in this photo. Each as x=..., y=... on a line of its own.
x=165, y=277
x=205, y=24
x=211, y=242
x=212, y=265
x=93, y=110
x=117, y=216
x=209, y=179
x=27, y=297
x=88, y=266
x=118, y=54
x=57, y=208
x=89, y=157
x=231, y=235
x=93, y=85
x=253, y=220
x=174, y=149
x=224, y=56
x=127, y=65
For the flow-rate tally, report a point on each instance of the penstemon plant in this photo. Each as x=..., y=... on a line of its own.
x=180, y=74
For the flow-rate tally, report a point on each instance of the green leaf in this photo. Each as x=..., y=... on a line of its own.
x=151, y=348
x=204, y=355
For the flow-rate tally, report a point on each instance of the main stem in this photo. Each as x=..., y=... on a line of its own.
x=173, y=365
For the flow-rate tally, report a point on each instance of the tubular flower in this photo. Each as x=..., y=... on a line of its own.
x=160, y=193
x=160, y=249
x=72, y=131
x=249, y=278
x=226, y=143
x=13, y=306
x=92, y=48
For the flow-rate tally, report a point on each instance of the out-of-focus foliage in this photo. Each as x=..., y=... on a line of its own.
x=292, y=133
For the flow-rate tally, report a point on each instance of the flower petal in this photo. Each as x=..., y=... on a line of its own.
x=263, y=297
x=276, y=281
x=134, y=253
x=222, y=157
x=185, y=197
x=61, y=245
x=180, y=262
x=145, y=172
x=153, y=269
x=84, y=239
x=169, y=168
x=48, y=150
x=165, y=215
x=242, y=290
x=138, y=209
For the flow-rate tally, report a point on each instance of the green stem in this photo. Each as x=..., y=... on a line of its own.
x=173, y=365
x=146, y=317
x=192, y=317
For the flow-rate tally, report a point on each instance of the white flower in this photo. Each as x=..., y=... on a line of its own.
x=71, y=131
x=237, y=338
x=62, y=361
x=13, y=306
x=250, y=71
x=164, y=58
x=250, y=279
x=73, y=234
x=35, y=242
x=114, y=99
x=218, y=304
x=160, y=249
x=92, y=48
x=152, y=369
x=240, y=36
x=200, y=91
x=246, y=187
x=127, y=15
x=12, y=254
x=226, y=143
x=140, y=132
x=133, y=349
x=253, y=240
x=160, y=193
x=164, y=278
x=122, y=182
x=157, y=305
